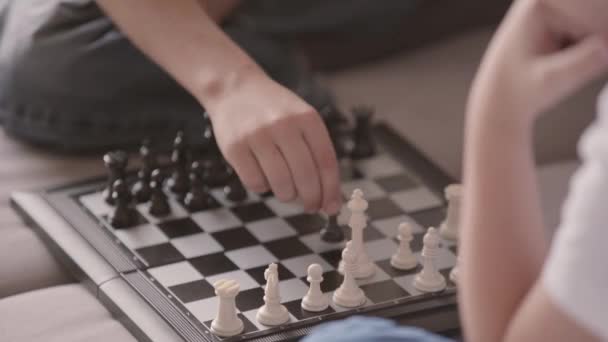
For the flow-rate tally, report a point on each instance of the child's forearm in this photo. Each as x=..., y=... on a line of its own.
x=503, y=244
x=183, y=38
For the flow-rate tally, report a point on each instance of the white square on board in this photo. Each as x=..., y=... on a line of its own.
x=245, y=281
x=215, y=220
x=371, y=190
x=205, y=309
x=389, y=226
x=141, y=236
x=299, y=265
x=174, y=274
x=380, y=166
x=250, y=257
x=283, y=209
x=195, y=245
x=271, y=229
x=416, y=199
x=95, y=203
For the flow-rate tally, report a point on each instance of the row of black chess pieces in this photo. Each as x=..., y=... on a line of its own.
x=190, y=181
x=194, y=172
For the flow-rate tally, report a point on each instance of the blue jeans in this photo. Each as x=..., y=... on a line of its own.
x=367, y=329
x=70, y=79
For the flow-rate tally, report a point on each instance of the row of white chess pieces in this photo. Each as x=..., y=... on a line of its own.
x=355, y=264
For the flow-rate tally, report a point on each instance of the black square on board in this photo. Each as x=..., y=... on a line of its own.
x=195, y=290
x=417, y=243
x=252, y=212
x=395, y=183
x=250, y=299
x=161, y=254
x=386, y=266
x=331, y=281
x=295, y=308
x=382, y=208
x=306, y=223
x=429, y=217
x=370, y=233
x=287, y=248
x=267, y=194
x=179, y=227
x=248, y=327
x=384, y=291
x=453, y=249
x=212, y=264
x=138, y=220
x=350, y=173
x=332, y=257
x=235, y=238
x=257, y=273
x=213, y=204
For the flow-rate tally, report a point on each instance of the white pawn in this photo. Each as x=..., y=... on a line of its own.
x=272, y=312
x=349, y=294
x=227, y=323
x=429, y=279
x=449, y=228
x=315, y=300
x=404, y=259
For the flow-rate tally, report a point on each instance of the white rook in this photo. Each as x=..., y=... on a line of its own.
x=227, y=323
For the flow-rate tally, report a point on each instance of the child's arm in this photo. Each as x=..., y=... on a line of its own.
x=273, y=139
x=525, y=71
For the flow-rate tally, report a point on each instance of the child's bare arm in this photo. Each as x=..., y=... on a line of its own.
x=525, y=71
x=273, y=139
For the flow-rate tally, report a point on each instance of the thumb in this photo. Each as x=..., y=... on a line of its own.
x=566, y=71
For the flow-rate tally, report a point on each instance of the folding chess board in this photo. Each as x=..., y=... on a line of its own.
x=170, y=263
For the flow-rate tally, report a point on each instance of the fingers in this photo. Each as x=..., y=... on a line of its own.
x=301, y=165
x=317, y=138
x=244, y=162
x=568, y=70
x=292, y=155
x=274, y=166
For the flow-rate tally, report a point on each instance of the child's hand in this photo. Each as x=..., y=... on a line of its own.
x=276, y=141
x=528, y=68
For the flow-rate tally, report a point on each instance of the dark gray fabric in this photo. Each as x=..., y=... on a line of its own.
x=348, y=18
x=70, y=79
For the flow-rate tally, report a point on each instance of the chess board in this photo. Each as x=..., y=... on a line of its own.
x=172, y=262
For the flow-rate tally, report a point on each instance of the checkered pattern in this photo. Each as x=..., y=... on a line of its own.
x=186, y=252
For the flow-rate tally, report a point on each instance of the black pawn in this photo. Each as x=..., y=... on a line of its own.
x=234, y=190
x=159, y=204
x=198, y=197
x=332, y=232
x=141, y=189
x=364, y=144
x=123, y=214
x=116, y=164
x=214, y=168
x=179, y=158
